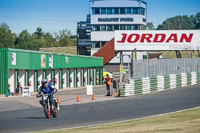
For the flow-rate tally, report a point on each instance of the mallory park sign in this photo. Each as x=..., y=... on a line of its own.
x=157, y=40
x=115, y=19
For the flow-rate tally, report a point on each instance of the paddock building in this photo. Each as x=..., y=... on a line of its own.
x=20, y=68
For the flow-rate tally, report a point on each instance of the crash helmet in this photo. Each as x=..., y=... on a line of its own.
x=44, y=82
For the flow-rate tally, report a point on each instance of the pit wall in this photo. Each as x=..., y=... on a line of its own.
x=159, y=83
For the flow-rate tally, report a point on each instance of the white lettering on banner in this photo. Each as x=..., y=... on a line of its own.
x=157, y=40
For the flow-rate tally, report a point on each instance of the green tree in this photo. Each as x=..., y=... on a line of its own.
x=178, y=23
x=38, y=39
x=64, y=38
x=150, y=26
x=50, y=40
x=197, y=21
x=24, y=40
x=181, y=23
x=39, y=33
x=7, y=38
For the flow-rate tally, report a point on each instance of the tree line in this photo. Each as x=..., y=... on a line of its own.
x=36, y=40
x=184, y=22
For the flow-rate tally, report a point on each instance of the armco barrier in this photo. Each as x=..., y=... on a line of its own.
x=159, y=83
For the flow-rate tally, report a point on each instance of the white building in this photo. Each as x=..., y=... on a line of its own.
x=106, y=16
x=110, y=15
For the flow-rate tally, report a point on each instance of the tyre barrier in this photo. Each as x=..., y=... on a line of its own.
x=159, y=83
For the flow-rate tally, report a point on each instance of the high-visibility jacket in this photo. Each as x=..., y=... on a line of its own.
x=108, y=81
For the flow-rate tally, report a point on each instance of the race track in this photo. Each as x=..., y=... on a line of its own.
x=33, y=119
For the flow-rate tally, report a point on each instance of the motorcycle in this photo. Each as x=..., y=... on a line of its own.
x=50, y=106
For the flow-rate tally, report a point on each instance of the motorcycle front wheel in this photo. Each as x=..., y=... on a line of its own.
x=54, y=113
x=54, y=109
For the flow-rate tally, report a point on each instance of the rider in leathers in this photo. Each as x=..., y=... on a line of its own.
x=48, y=88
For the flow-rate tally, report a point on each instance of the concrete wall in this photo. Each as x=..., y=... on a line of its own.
x=40, y=77
x=64, y=78
x=22, y=77
x=48, y=73
x=85, y=76
x=79, y=77
x=31, y=80
x=57, y=78
x=72, y=77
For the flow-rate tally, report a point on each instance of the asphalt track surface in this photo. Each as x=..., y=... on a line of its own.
x=101, y=112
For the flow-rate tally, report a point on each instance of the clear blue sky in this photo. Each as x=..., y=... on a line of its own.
x=55, y=15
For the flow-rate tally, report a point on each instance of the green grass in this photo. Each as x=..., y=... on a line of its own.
x=181, y=122
x=64, y=50
x=184, y=54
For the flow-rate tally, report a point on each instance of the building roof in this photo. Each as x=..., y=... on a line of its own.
x=118, y=3
x=39, y=52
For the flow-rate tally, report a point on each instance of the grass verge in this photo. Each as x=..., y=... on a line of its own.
x=64, y=50
x=180, y=122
